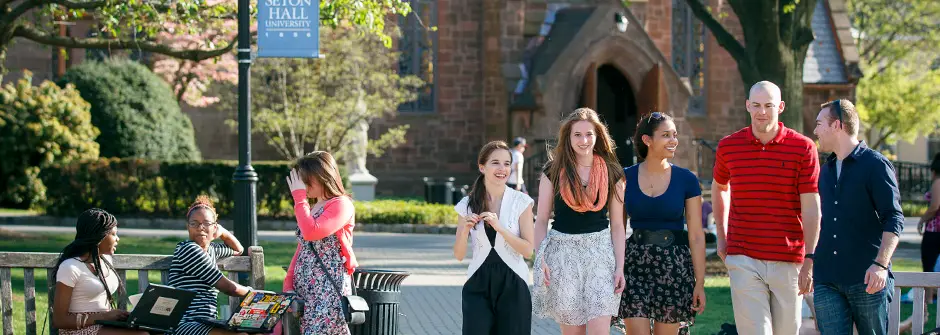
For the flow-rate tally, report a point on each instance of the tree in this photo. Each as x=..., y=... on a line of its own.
x=40, y=126
x=135, y=111
x=777, y=34
x=134, y=24
x=899, y=103
x=301, y=105
x=191, y=79
x=899, y=44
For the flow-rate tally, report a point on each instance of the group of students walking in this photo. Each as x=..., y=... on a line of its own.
x=772, y=202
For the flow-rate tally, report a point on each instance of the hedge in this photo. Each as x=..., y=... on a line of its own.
x=137, y=187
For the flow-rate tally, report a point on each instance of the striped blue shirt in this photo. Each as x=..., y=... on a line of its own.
x=196, y=270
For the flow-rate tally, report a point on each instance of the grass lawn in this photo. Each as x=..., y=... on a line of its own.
x=14, y=211
x=277, y=254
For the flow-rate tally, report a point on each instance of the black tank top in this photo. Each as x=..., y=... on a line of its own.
x=569, y=221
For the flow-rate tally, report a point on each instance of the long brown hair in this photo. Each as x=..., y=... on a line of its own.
x=563, y=155
x=477, y=203
x=320, y=166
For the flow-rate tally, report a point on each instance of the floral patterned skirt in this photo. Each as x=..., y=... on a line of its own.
x=660, y=282
x=323, y=313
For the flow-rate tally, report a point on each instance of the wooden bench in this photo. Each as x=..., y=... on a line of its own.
x=253, y=265
x=918, y=281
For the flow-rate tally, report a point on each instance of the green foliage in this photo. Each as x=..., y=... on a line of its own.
x=404, y=211
x=136, y=187
x=40, y=126
x=301, y=105
x=899, y=103
x=895, y=31
x=135, y=110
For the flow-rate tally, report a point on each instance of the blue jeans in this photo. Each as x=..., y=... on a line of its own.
x=839, y=306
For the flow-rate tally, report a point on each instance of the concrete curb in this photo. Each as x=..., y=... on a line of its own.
x=276, y=225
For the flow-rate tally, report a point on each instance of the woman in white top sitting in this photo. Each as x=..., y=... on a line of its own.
x=87, y=287
x=497, y=220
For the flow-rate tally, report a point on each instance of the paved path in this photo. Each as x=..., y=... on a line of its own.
x=432, y=293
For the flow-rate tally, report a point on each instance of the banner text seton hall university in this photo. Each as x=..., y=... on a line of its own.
x=288, y=13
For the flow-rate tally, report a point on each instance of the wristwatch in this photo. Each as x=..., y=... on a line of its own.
x=810, y=256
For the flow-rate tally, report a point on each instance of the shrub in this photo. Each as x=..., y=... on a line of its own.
x=404, y=211
x=135, y=110
x=137, y=187
x=40, y=126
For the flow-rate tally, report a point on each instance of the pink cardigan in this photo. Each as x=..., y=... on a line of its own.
x=338, y=218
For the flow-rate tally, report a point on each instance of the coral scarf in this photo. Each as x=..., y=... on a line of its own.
x=586, y=199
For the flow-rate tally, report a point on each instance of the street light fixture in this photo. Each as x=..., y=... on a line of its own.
x=621, y=22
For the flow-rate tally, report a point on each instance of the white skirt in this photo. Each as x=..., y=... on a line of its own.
x=581, y=278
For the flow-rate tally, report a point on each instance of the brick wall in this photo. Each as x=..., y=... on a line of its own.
x=725, y=95
x=658, y=24
x=443, y=143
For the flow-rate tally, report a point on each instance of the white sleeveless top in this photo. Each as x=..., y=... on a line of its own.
x=513, y=204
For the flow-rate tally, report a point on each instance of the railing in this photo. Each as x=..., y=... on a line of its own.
x=705, y=155
x=253, y=264
x=913, y=180
x=533, y=165
x=918, y=282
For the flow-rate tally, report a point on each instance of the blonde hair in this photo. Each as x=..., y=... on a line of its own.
x=562, y=157
x=321, y=167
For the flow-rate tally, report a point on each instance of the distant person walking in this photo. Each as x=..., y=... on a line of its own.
x=516, y=178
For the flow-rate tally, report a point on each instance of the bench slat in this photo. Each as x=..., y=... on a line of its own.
x=6, y=298
x=894, y=312
x=122, y=277
x=163, y=275
x=143, y=280
x=232, y=301
x=121, y=262
x=918, y=327
x=50, y=293
x=29, y=294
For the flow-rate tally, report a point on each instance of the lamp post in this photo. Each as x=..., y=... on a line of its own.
x=246, y=214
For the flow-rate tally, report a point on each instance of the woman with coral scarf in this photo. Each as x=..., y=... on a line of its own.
x=579, y=263
x=324, y=253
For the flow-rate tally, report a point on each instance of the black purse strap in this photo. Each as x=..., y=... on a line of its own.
x=327, y=272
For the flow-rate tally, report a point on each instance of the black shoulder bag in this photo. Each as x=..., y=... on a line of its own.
x=354, y=307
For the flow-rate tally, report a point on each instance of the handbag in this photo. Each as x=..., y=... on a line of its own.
x=354, y=307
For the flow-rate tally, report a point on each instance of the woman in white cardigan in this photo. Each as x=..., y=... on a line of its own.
x=498, y=222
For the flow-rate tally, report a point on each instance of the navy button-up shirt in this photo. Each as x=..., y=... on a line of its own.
x=857, y=207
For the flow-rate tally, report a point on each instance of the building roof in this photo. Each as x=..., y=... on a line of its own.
x=824, y=62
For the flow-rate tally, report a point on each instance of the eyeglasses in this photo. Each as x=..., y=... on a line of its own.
x=837, y=106
x=203, y=225
x=655, y=115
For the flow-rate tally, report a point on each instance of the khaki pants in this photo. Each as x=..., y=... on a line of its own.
x=765, y=296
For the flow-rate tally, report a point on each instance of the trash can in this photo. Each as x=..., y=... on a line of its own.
x=461, y=192
x=439, y=191
x=382, y=290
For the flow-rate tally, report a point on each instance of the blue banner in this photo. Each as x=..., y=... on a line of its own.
x=289, y=28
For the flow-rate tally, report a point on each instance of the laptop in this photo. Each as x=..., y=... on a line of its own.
x=258, y=313
x=159, y=309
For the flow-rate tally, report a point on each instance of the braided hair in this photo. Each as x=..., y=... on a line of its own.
x=92, y=227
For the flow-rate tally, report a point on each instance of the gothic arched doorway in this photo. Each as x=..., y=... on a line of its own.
x=608, y=91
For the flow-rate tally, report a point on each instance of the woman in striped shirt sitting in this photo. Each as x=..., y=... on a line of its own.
x=194, y=267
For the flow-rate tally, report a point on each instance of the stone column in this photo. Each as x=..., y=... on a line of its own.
x=363, y=183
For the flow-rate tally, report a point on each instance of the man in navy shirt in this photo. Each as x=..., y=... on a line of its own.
x=861, y=222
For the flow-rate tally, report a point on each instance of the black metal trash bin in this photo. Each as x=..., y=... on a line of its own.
x=439, y=191
x=461, y=192
x=382, y=290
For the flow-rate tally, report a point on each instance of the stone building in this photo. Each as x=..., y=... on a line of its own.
x=503, y=68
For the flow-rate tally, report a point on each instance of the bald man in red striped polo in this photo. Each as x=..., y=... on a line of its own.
x=766, y=208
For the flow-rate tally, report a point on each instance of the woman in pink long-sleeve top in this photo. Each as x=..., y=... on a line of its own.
x=324, y=234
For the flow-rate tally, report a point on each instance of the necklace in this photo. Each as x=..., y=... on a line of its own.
x=660, y=175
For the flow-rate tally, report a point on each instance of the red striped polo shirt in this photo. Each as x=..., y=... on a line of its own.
x=766, y=182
